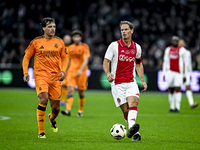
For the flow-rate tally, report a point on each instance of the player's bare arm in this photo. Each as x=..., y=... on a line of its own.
x=85, y=62
x=25, y=64
x=110, y=76
x=140, y=72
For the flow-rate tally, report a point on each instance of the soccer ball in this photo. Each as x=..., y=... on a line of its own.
x=118, y=131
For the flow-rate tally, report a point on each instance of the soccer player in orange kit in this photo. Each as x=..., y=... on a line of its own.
x=49, y=70
x=67, y=40
x=78, y=54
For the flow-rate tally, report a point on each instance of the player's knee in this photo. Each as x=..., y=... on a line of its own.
x=43, y=98
x=177, y=89
x=81, y=92
x=171, y=90
x=134, y=103
x=70, y=90
x=187, y=87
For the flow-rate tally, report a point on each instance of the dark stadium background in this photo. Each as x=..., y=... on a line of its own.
x=155, y=22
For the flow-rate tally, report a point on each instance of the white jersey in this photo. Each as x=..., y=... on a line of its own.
x=188, y=62
x=123, y=60
x=174, y=59
x=188, y=67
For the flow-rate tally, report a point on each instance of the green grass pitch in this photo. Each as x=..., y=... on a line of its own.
x=160, y=130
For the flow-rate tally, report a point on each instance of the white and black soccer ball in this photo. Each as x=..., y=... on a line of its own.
x=118, y=131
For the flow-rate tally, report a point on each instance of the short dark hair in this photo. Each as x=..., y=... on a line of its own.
x=75, y=32
x=126, y=22
x=46, y=21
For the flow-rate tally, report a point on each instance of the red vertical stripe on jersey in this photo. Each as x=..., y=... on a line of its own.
x=126, y=62
x=174, y=58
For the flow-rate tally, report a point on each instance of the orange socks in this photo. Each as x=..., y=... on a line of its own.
x=81, y=104
x=70, y=100
x=41, y=114
x=63, y=94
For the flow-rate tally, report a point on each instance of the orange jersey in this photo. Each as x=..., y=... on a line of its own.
x=48, y=57
x=76, y=54
x=67, y=58
x=64, y=82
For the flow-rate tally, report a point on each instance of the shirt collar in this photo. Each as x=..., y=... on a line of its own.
x=121, y=43
x=44, y=38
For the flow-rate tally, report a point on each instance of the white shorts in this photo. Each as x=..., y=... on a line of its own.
x=174, y=79
x=121, y=91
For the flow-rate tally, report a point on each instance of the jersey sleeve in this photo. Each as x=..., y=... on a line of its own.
x=189, y=62
x=186, y=59
x=68, y=51
x=139, y=51
x=25, y=63
x=165, y=66
x=109, y=52
x=63, y=50
x=63, y=57
x=29, y=52
x=87, y=51
x=30, y=49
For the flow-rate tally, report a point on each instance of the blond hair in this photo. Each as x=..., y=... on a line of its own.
x=126, y=22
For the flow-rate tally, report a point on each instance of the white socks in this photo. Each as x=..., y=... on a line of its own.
x=171, y=101
x=177, y=96
x=190, y=97
x=175, y=100
x=132, y=115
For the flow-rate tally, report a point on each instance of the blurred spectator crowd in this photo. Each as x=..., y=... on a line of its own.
x=155, y=22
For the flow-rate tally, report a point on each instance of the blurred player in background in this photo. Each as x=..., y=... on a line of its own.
x=173, y=66
x=49, y=70
x=79, y=54
x=125, y=56
x=188, y=72
x=67, y=40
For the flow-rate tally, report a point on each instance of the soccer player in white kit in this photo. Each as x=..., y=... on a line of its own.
x=188, y=72
x=173, y=67
x=125, y=57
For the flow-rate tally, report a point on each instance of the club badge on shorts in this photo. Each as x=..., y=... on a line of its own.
x=119, y=100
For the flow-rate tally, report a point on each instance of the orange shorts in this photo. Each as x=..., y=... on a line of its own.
x=53, y=88
x=64, y=82
x=80, y=81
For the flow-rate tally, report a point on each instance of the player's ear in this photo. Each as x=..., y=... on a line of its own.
x=132, y=31
x=43, y=28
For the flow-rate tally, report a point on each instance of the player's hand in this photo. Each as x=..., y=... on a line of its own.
x=62, y=76
x=78, y=73
x=145, y=86
x=110, y=77
x=163, y=78
x=26, y=77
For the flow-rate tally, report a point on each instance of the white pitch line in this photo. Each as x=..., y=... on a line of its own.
x=4, y=118
x=170, y=115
